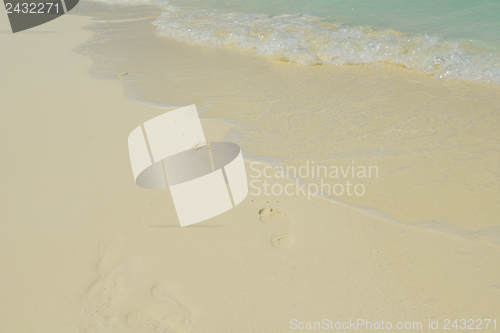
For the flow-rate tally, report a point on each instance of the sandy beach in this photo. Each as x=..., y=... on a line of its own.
x=83, y=249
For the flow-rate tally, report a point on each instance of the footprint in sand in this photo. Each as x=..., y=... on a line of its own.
x=168, y=315
x=283, y=239
x=120, y=299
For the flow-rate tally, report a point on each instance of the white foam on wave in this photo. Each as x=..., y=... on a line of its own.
x=309, y=40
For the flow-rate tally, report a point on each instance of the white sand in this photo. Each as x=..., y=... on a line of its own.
x=83, y=249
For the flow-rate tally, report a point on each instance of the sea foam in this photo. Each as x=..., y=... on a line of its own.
x=311, y=40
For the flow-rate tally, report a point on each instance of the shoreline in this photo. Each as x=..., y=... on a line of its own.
x=411, y=126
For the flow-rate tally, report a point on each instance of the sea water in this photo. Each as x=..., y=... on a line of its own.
x=448, y=39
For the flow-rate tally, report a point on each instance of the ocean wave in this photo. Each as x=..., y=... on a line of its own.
x=310, y=40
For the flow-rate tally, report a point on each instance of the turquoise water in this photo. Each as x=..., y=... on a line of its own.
x=448, y=39
x=469, y=21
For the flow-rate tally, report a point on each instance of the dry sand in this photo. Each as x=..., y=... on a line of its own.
x=83, y=249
